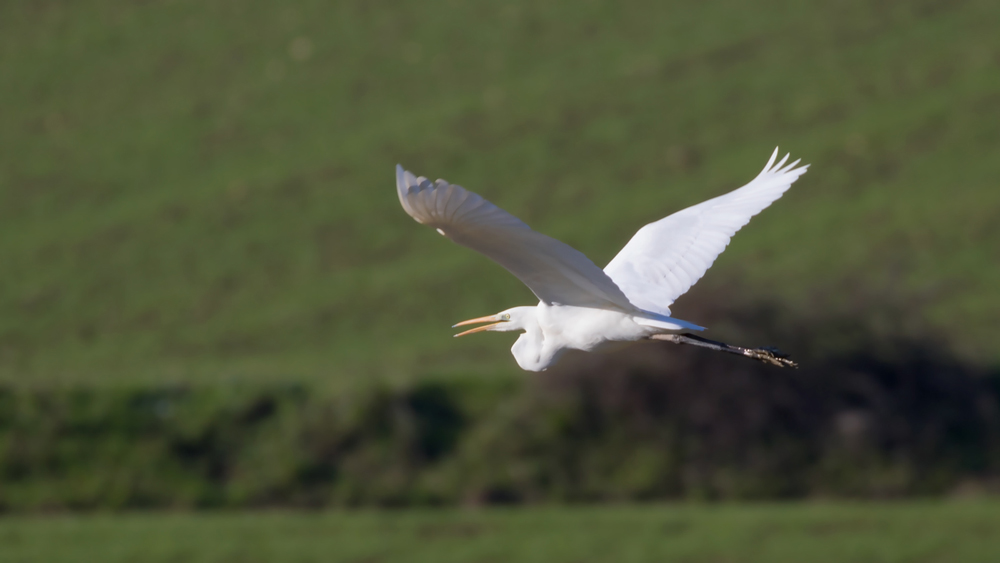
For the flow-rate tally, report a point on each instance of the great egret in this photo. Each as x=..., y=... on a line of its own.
x=580, y=306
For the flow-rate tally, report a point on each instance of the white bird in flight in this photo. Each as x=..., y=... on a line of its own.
x=582, y=307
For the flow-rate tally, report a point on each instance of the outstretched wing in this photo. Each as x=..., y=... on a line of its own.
x=554, y=271
x=664, y=259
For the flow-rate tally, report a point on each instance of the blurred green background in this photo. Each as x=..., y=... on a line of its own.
x=197, y=191
x=211, y=297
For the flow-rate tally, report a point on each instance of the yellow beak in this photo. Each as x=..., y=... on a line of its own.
x=485, y=319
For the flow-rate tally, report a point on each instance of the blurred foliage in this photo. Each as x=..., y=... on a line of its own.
x=202, y=191
x=210, y=297
x=903, y=532
x=655, y=423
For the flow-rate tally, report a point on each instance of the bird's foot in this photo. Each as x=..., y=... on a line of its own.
x=771, y=355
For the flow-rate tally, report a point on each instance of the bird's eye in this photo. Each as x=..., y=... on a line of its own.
x=506, y=316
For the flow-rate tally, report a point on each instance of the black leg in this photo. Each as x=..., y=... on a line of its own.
x=767, y=355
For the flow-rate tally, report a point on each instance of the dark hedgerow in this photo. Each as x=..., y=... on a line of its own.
x=657, y=421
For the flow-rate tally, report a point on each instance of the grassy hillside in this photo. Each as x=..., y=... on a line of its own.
x=912, y=532
x=202, y=191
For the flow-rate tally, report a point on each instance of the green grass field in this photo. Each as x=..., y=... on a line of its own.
x=203, y=191
x=199, y=194
x=861, y=533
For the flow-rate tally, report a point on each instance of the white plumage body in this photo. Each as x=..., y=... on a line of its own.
x=582, y=307
x=552, y=329
x=565, y=327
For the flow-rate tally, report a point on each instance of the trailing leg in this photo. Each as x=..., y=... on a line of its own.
x=768, y=355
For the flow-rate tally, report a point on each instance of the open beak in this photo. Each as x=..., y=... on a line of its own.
x=487, y=319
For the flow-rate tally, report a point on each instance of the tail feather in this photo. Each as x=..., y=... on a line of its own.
x=667, y=323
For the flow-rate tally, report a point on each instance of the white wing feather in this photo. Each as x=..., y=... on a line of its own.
x=665, y=258
x=554, y=271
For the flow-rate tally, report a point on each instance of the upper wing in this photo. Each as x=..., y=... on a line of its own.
x=665, y=258
x=554, y=271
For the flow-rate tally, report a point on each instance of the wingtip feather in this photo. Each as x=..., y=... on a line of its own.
x=782, y=161
x=790, y=167
x=770, y=161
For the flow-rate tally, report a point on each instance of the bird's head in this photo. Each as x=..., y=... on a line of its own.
x=504, y=321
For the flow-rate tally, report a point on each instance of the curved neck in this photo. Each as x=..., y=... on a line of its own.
x=530, y=350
